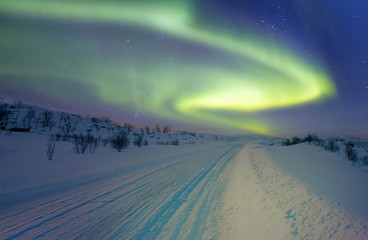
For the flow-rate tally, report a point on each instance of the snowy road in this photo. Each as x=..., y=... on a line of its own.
x=213, y=192
x=175, y=198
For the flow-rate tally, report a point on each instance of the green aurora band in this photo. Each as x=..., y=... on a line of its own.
x=258, y=75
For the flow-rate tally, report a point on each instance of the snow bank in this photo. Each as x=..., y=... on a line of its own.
x=273, y=194
x=325, y=173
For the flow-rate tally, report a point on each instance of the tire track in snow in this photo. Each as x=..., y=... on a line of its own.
x=153, y=228
x=79, y=203
x=127, y=206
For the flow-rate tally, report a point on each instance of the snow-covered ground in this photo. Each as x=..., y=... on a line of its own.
x=238, y=190
x=206, y=187
x=157, y=192
x=297, y=192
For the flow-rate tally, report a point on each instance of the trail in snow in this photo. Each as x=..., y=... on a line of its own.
x=176, y=199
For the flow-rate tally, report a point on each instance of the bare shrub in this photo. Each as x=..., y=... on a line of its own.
x=4, y=116
x=147, y=128
x=142, y=131
x=129, y=127
x=46, y=118
x=92, y=143
x=37, y=121
x=351, y=153
x=311, y=138
x=50, y=148
x=120, y=141
x=331, y=145
x=80, y=143
x=51, y=125
x=157, y=128
x=295, y=140
x=138, y=140
x=28, y=118
x=286, y=142
x=166, y=129
x=67, y=126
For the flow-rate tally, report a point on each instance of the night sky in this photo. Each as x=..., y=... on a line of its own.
x=230, y=67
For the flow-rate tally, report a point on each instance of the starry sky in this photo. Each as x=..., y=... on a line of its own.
x=219, y=66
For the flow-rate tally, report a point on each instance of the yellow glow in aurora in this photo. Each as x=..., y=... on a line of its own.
x=265, y=75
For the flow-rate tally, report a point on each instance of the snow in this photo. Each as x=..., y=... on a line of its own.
x=266, y=201
x=138, y=196
x=208, y=187
x=26, y=173
x=325, y=173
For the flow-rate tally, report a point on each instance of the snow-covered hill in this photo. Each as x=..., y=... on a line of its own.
x=63, y=126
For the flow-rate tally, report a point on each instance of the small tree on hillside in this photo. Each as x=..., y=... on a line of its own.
x=66, y=125
x=120, y=141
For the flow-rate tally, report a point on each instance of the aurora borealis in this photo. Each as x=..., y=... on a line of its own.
x=161, y=60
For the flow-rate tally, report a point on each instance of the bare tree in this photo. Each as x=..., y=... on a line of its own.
x=67, y=125
x=157, y=128
x=14, y=120
x=46, y=118
x=129, y=127
x=51, y=125
x=110, y=130
x=138, y=140
x=80, y=143
x=166, y=129
x=27, y=119
x=4, y=116
x=331, y=145
x=120, y=141
x=351, y=153
x=37, y=121
x=50, y=148
x=92, y=143
x=147, y=128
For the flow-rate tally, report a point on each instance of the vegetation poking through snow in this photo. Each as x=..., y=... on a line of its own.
x=120, y=141
x=351, y=153
x=138, y=140
x=87, y=133
x=335, y=145
x=50, y=148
